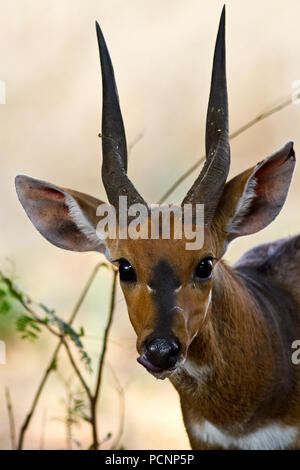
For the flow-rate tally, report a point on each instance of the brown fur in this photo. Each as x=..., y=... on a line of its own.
x=245, y=343
x=253, y=380
x=227, y=338
x=240, y=323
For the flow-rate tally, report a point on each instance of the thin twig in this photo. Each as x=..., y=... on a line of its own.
x=52, y=362
x=135, y=141
x=76, y=369
x=43, y=430
x=25, y=302
x=121, y=393
x=12, y=426
x=286, y=102
x=69, y=421
x=85, y=291
x=39, y=320
x=100, y=338
x=93, y=398
x=95, y=444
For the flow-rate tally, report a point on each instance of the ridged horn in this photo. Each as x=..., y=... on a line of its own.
x=114, y=148
x=208, y=187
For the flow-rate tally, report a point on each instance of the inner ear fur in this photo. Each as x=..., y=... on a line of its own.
x=66, y=218
x=253, y=199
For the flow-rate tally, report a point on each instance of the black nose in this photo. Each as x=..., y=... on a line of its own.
x=163, y=353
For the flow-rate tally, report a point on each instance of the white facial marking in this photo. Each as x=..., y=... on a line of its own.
x=152, y=291
x=176, y=307
x=200, y=373
x=207, y=306
x=272, y=437
x=178, y=289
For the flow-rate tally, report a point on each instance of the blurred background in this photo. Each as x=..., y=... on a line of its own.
x=162, y=55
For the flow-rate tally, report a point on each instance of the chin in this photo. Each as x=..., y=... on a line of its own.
x=163, y=374
x=159, y=373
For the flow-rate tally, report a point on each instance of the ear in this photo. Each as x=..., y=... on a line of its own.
x=66, y=218
x=254, y=198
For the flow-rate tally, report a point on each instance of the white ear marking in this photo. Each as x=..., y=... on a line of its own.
x=84, y=225
x=243, y=206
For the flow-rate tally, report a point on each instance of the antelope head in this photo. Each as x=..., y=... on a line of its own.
x=168, y=288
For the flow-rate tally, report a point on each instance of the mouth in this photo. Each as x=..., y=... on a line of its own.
x=154, y=370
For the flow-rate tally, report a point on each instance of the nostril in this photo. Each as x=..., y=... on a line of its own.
x=175, y=348
x=163, y=352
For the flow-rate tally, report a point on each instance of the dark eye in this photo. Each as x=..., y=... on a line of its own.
x=127, y=272
x=204, y=269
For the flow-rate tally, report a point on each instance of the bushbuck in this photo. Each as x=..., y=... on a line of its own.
x=222, y=335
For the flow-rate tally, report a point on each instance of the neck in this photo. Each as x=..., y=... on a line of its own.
x=229, y=365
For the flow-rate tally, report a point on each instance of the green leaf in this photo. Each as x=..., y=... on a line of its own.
x=53, y=365
x=87, y=418
x=47, y=309
x=25, y=324
x=5, y=306
x=81, y=331
x=2, y=293
x=32, y=334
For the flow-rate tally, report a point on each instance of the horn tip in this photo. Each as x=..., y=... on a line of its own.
x=99, y=33
x=223, y=14
x=222, y=20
